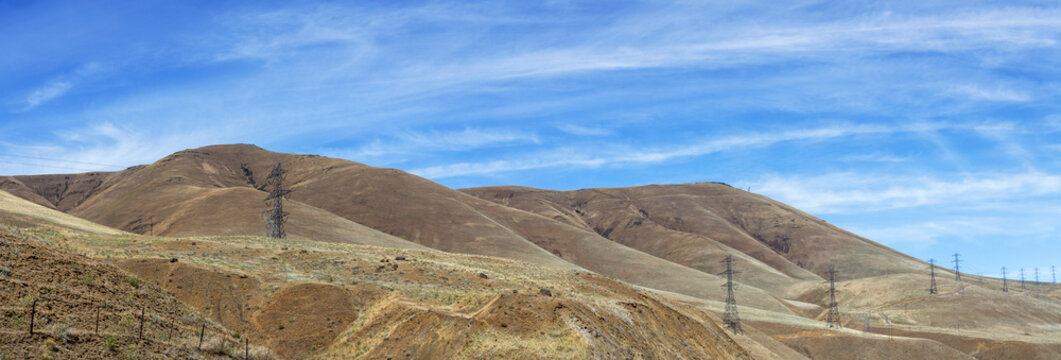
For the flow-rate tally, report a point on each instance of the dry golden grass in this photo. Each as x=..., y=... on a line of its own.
x=428, y=287
x=17, y=210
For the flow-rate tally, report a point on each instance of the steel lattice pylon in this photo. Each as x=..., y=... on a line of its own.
x=932, y=271
x=958, y=272
x=730, y=319
x=1005, y=283
x=275, y=215
x=833, y=317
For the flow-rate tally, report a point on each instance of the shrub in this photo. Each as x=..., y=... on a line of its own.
x=129, y=352
x=127, y=323
x=27, y=300
x=110, y=342
x=261, y=353
x=214, y=345
x=5, y=271
x=134, y=282
x=62, y=329
x=88, y=279
x=48, y=349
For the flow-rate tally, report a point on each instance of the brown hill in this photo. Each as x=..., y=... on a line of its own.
x=217, y=190
x=698, y=224
x=310, y=299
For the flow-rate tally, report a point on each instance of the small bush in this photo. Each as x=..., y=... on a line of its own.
x=88, y=279
x=27, y=300
x=62, y=329
x=129, y=352
x=5, y=271
x=261, y=353
x=127, y=323
x=134, y=282
x=48, y=350
x=110, y=342
x=214, y=345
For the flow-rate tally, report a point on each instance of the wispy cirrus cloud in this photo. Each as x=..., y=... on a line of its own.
x=989, y=94
x=575, y=129
x=59, y=86
x=98, y=146
x=47, y=92
x=847, y=192
x=618, y=155
x=399, y=147
x=876, y=157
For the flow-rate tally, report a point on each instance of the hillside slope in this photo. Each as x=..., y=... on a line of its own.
x=217, y=190
x=698, y=224
x=20, y=212
x=86, y=309
x=310, y=299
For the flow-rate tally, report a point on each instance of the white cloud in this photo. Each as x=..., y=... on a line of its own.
x=876, y=157
x=989, y=94
x=408, y=143
x=839, y=193
x=101, y=146
x=467, y=139
x=580, y=130
x=673, y=36
x=47, y=92
x=562, y=158
x=59, y=86
x=612, y=155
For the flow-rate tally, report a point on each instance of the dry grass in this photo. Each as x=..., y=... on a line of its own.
x=425, y=285
x=15, y=208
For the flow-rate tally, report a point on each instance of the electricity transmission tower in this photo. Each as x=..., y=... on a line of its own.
x=932, y=269
x=957, y=272
x=1022, y=279
x=730, y=318
x=1005, y=286
x=1037, y=286
x=833, y=317
x=275, y=215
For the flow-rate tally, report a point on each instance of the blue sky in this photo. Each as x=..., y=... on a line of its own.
x=931, y=126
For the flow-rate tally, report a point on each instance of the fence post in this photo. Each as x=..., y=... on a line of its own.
x=32, y=314
x=246, y=348
x=201, y=332
x=97, y=321
x=142, y=309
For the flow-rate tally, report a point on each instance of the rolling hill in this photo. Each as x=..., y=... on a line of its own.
x=632, y=266
x=217, y=190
